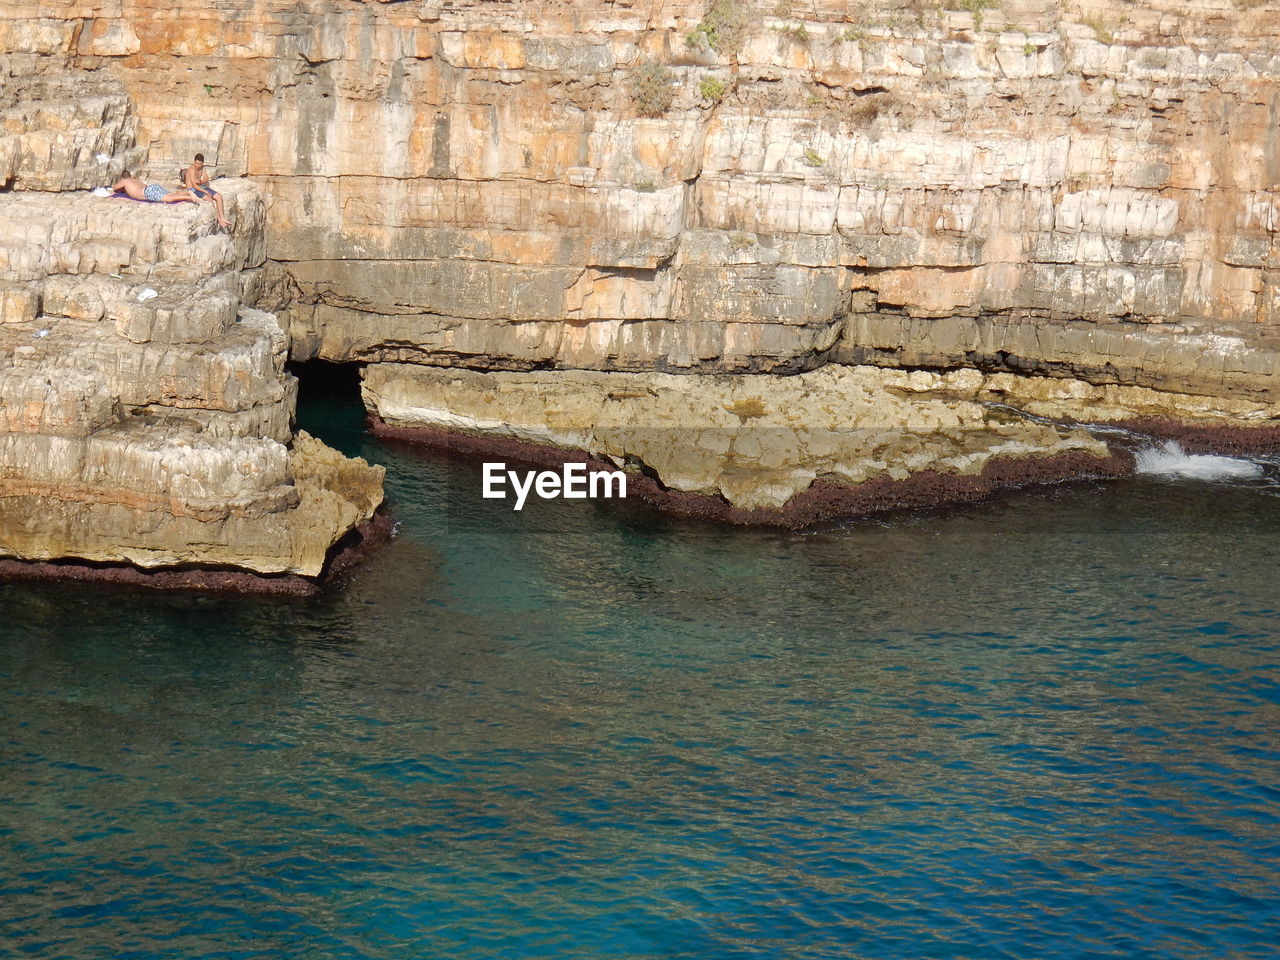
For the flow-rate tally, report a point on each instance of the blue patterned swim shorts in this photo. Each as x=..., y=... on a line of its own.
x=154, y=192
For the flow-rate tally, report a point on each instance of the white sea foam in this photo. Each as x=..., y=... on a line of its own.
x=1170, y=460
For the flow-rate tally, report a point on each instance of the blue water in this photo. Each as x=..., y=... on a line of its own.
x=1039, y=727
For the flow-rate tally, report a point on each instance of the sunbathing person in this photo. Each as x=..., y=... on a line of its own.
x=196, y=179
x=154, y=192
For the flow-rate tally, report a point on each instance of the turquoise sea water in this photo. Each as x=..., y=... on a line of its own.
x=1040, y=727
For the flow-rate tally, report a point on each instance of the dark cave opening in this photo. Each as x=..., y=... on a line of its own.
x=329, y=404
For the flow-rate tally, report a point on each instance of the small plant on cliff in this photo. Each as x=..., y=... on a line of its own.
x=740, y=241
x=644, y=186
x=1099, y=27
x=651, y=90
x=865, y=110
x=976, y=7
x=797, y=32
x=712, y=88
x=811, y=158
x=722, y=28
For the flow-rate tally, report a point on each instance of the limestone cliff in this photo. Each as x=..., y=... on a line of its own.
x=729, y=185
x=145, y=413
x=732, y=186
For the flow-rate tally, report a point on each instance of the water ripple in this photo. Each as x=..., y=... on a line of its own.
x=1043, y=727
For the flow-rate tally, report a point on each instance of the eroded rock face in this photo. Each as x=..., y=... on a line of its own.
x=63, y=129
x=1223, y=361
x=719, y=188
x=1065, y=400
x=145, y=412
x=504, y=185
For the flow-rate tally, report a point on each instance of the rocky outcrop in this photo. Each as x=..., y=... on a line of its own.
x=757, y=442
x=1178, y=360
x=145, y=412
x=765, y=444
x=64, y=130
x=731, y=187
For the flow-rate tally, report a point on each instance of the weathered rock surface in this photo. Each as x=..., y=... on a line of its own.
x=145, y=412
x=64, y=130
x=755, y=441
x=1066, y=400
x=724, y=186
x=1225, y=361
x=713, y=187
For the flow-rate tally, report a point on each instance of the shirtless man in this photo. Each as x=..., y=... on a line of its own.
x=196, y=179
x=150, y=191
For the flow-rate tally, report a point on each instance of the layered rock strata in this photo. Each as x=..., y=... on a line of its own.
x=145, y=412
x=729, y=186
x=64, y=130
x=733, y=187
x=831, y=442
x=756, y=442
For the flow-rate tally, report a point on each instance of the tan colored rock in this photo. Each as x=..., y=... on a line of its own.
x=476, y=184
x=337, y=493
x=1223, y=363
x=756, y=441
x=145, y=412
x=200, y=311
x=94, y=425
x=1085, y=192
x=56, y=125
x=105, y=522
x=18, y=304
x=79, y=234
x=1077, y=400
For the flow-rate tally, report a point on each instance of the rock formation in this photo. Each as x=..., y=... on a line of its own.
x=756, y=442
x=495, y=184
x=145, y=413
x=737, y=187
